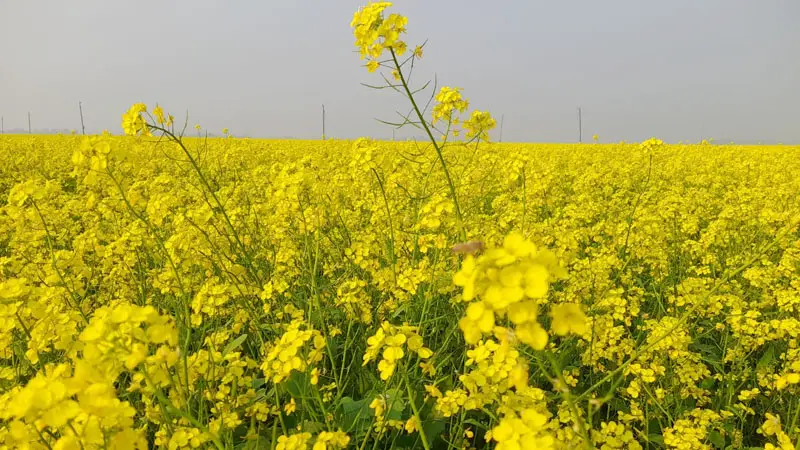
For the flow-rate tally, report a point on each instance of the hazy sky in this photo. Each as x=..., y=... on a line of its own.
x=676, y=69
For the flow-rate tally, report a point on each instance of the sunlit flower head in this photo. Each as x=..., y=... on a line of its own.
x=376, y=33
x=133, y=122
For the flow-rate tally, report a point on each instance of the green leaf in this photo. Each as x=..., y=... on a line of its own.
x=655, y=439
x=708, y=383
x=333, y=344
x=355, y=415
x=707, y=349
x=766, y=359
x=476, y=424
x=717, y=439
x=234, y=344
x=258, y=382
x=349, y=405
x=395, y=403
x=399, y=310
x=729, y=427
x=715, y=363
x=432, y=429
x=297, y=384
x=313, y=427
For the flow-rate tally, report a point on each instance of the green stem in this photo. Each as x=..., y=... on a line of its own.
x=450, y=184
x=414, y=408
x=250, y=267
x=54, y=263
x=184, y=296
x=683, y=318
x=169, y=406
x=571, y=402
x=391, y=226
x=791, y=431
x=280, y=411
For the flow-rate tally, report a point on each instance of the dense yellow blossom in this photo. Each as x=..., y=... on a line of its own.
x=390, y=342
x=375, y=33
x=136, y=309
x=448, y=102
x=158, y=291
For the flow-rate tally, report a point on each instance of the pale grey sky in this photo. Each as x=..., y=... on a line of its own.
x=676, y=69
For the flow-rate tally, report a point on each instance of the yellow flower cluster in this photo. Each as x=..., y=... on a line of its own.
x=691, y=431
x=791, y=373
x=478, y=125
x=133, y=121
x=494, y=369
x=210, y=300
x=772, y=427
x=80, y=403
x=91, y=158
x=351, y=296
x=512, y=281
x=375, y=33
x=179, y=293
x=568, y=318
x=136, y=310
x=449, y=101
x=121, y=337
x=613, y=435
x=291, y=352
x=392, y=340
x=331, y=440
x=523, y=431
x=297, y=441
x=182, y=438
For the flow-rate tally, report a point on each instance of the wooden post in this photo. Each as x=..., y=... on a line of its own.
x=80, y=108
x=29, y=123
x=323, y=122
x=580, y=127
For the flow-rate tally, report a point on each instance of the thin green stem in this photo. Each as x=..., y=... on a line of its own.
x=461, y=228
x=416, y=411
x=391, y=226
x=193, y=161
x=684, y=317
x=54, y=263
x=571, y=402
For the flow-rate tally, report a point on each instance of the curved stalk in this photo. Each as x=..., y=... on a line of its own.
x=461, y=230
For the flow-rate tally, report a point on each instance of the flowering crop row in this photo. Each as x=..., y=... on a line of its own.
x=305, y=294
x=168, y=292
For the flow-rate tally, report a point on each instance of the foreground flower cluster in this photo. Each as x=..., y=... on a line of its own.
x=291, y=294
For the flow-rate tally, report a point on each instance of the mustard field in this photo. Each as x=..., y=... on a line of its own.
x=240, y=294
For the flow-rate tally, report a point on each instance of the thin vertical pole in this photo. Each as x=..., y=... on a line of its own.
x=393, y=133
x=580, y=127
x=323, y=122
x=3, y=125
x=80, y=108
x=29, y=123
x=502, y=119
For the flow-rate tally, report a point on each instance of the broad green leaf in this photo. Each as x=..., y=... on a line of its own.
x=234, y=344
x=297, y=384
x=766, y=359
x=717, y=439
x=432, y=429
